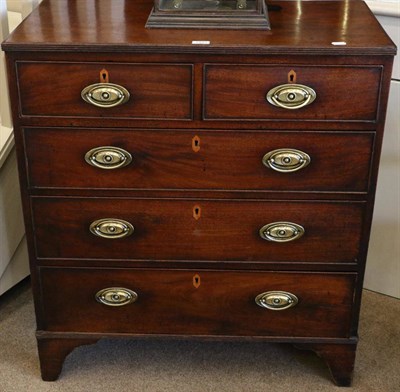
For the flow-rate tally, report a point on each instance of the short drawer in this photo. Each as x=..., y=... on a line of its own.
x=197, y=302
x=157, y=91
x=201, y=160
x=197, y=230
x=343, y=93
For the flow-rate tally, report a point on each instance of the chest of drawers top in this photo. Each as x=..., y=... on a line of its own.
x=297, y=27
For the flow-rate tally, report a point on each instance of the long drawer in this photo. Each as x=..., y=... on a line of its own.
x=342, y=93
x=145, y=159
x=157, y=91
x=147, y=229
x=197, y=303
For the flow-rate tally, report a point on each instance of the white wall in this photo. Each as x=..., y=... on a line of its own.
x=14, y=264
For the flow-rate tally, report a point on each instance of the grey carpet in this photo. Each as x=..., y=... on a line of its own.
x=180, y=366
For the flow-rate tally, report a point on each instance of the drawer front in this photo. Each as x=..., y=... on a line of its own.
x=199, y=160
x=156, y=91
x=198, y=303
x=344, y=93
x=197, y=230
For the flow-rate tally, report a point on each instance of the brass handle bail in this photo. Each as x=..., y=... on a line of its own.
x=105, y=95
x=276, y=300
x=111, y=228
x=291, y=96
x=281, y=232
x=116, y=296
x=286, y=160
x=108, y=157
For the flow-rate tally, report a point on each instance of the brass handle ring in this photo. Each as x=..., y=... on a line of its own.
x=276, y=300
x=105, y=95
x=281, y=231
x=291, y=96
x=286, y=160
x=108, y=157
x=116, y=296
x=111, y=228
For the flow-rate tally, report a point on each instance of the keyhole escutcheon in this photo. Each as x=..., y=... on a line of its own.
x=196, y=281
x=196, y=212
x=104, y=78
x=292, y=76
x=196, y=144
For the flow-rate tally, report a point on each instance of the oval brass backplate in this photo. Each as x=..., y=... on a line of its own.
x=105, y=95
x=108, y=157
x=286, y=160
x=116, y=296
x=281, y=231
x=291, y=96
x=111, y=228
x=276, y=300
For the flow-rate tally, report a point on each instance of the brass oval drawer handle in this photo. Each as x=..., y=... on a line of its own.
x=286, y=160
x=111, y=228
x=281, y=231
x=291, y=96
x=108, y=157
x=276, y=300
x=105, y=95
x=116, y=296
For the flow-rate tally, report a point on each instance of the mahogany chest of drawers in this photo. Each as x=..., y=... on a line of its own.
x=222, y=190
